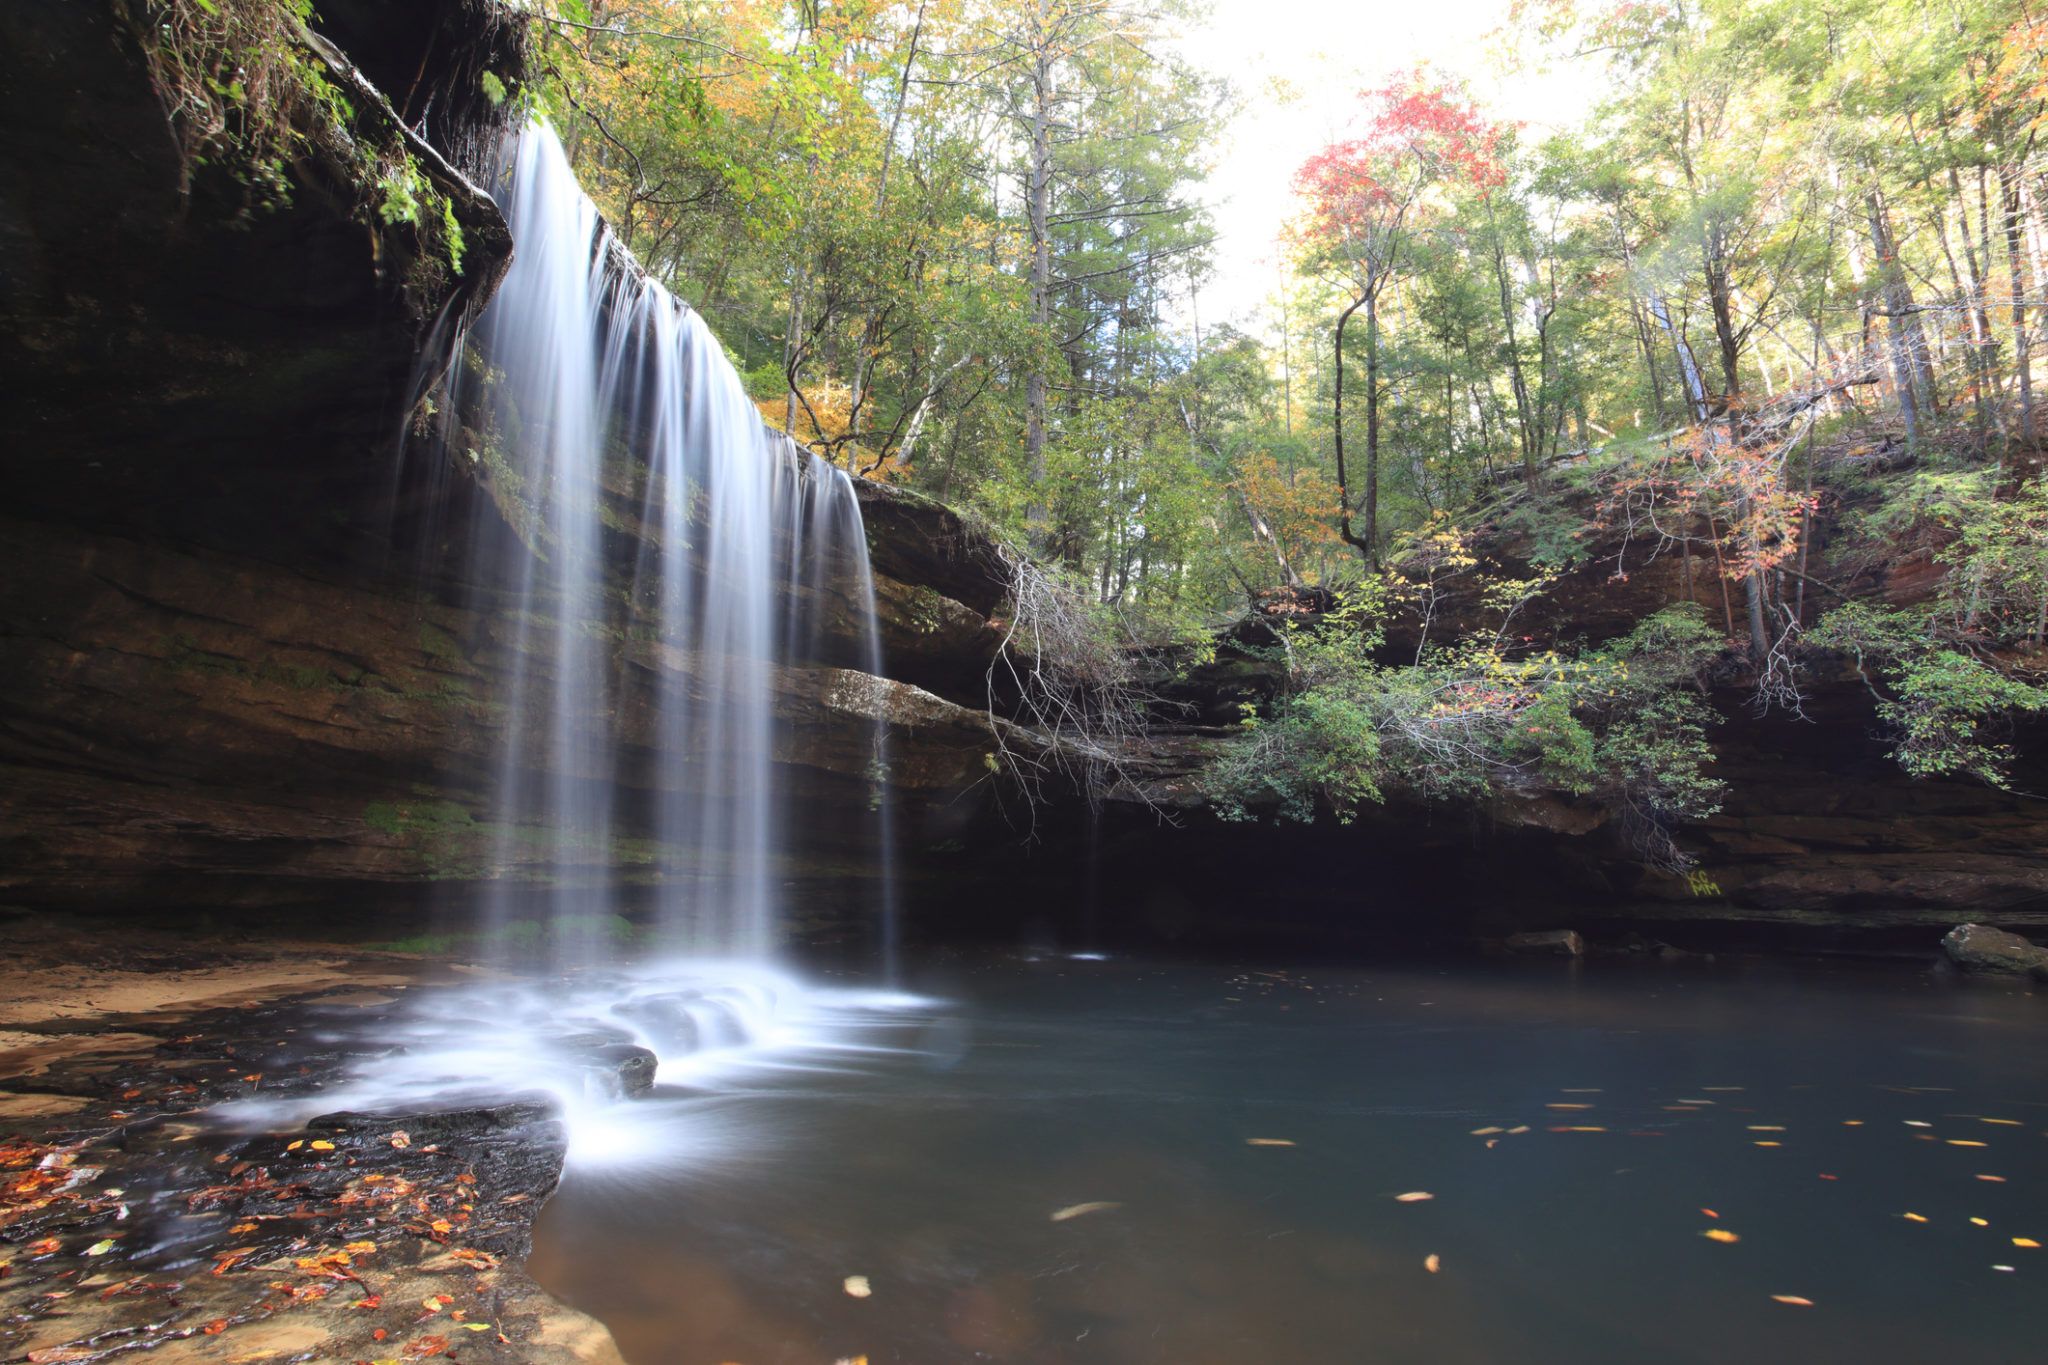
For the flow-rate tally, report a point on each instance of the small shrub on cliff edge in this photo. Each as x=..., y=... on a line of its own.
x=1624, y=722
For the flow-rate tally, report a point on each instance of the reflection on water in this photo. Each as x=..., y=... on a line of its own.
x=1809, y=1110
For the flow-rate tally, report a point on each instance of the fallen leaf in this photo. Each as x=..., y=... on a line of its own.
x=1269, y=1142
x=373, y=1301
x=1076, y=1210
x=1794, y=1300
x=1916, y=1123
x=1413, y=1197
x=857, y=1286
x=321, y=1145
x=1766, y=1128
x=476, y=1327
x=101, y=1247
x=1567, y=1106
x=401, y=1139
x=1720, y=1235
x=292, y=1146
x=1710, y=1213
x=1482, y=1132
x=1770, y=1144
x=427, y=1346
x=216, y=1327
x=2025, y=1242
x=50, y=1355
x=2011, y=1123
x=1981, y=1222
x=1915, y=1218
x=1431, y=1263
x=358, y=1248
x=240, y=1228
x=1522, y=1129
x=1995, y=1179
x=442, y=1225
x=1964, y=1142
x=378, y=1334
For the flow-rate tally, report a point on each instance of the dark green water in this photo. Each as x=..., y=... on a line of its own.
x=936, y=1172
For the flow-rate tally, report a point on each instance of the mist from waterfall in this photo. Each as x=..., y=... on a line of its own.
x=668, y=554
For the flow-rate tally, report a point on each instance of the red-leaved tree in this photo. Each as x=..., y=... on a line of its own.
x=1361, y=197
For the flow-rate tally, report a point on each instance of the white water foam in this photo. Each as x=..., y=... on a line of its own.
x=719, y=1029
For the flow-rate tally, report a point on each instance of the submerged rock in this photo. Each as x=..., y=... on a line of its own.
x=1555, y=942
x=1983, y=948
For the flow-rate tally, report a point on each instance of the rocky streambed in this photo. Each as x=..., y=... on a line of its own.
x=138, y=1213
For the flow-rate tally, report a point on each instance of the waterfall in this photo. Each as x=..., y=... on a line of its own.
x=668, y=552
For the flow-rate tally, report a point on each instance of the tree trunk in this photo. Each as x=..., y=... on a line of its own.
x=1372, y=429
x=1898, y=303
x=1039, y=215
x=1343, y=485
x=2022, y=338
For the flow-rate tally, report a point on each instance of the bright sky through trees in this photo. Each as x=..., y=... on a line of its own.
x=1297, y=65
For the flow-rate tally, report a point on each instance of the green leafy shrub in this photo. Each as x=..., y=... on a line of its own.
x=1625, y=723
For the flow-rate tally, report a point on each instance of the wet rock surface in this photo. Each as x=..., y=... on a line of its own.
x=138, y=1216
x=1982, y=948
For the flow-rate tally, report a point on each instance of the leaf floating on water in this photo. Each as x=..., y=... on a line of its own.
x=1916, y=1123
x=1269, y=1142
x=2010, y=1123
x=2025, y=1242
x=2006, y=1268
x=1483, y=1132
x=1770, y=1144
x=1413, y=1197
x=1852, y=1123
x=1567, y=1106
x=1076, y=1210
x=1981, y=1222
x=1994, y=1179
x=1766, y=1127
x=857, y=1286
x=1721, y=1235
x=1965, y=1142
x=1710, y=1213
x=101, y=1247
x=1521, y=1129
x=1915, y=1218
x=321, y=1145
x=1431, y=1263
x=1794, y=1300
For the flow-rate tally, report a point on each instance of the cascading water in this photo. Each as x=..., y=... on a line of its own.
x=671, y=551
x=667, y=555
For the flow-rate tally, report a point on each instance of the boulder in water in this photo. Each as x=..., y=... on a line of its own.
x=1554, y=942
x=1983, y=948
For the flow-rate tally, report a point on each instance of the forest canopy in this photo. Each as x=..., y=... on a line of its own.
x=1791, y=265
